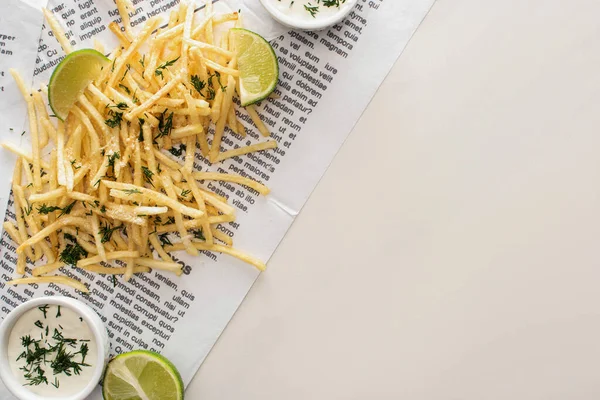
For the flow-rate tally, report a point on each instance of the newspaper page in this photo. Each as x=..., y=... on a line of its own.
x=327, y=79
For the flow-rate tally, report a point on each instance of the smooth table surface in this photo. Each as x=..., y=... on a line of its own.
x=452, y=249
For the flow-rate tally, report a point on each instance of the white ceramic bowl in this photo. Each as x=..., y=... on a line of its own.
x=91, y=318
x=308, y=25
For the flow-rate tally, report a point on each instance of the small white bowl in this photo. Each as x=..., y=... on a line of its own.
x=91, y=318
x=308, y=25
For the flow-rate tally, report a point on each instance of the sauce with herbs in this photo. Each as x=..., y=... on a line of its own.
x=52, y=351
x=311, y=9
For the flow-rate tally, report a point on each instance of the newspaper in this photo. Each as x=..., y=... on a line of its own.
x=327, y=79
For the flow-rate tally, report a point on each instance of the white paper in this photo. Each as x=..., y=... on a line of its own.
x=309, y=122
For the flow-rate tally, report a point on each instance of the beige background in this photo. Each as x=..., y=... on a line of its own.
x=451, y=250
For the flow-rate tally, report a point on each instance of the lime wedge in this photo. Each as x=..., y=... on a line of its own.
x=259, y=69
x=71, y=77
x=141, y=374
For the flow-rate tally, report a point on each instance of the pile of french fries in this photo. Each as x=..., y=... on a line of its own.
x=101, y=186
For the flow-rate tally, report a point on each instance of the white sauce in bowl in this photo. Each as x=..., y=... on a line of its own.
x=312, y=10
x=69, y=346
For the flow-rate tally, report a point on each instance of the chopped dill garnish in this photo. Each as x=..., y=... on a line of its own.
x=141, y=123
x=148, y=175
x=120, y=106
x=218, y=76
x=159, y=70
x=198, y=84
x=313, y=10
x=40, y=356
x=164, y=239
x=43, y=309
x=106, y=232
x=72, y=253
x=165, y=124
x=198, y=234
x=178, y=152
x=44, y=209
x=112, y=158
x=125, y=88
x=333, y=3
x=131, y=191
x=67, y=209
x=114, y=119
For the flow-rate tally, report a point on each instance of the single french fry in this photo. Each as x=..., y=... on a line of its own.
x=232, y=122
x=198, y=29
x=257, y=121
x=98, y=269
x=215, y=176
x=58, y=31
x=221, y=69
x=91, y=131
x=187, y=33
x=51, y=195
x=91, y=110
x=168, y=185
x=114, y=255
x=159, y=264
x=221, y=236
x=221, y=205
x=98, y=46
x=143, y=211
x=21, y=153
x=159, y=249
x=190, y=153
x=227, y=101
x=121, y=213
x=208, y=30
x=98, y=238
x=46, y=269
x=170, y=33
x=152, y=100
x=226, y=18
x=271, y=144
x=209, y=48
x=41, y=235
x=221, y=249
x=12, y=231
x=166, y=160
x=124, y=6
x=117, y=72
x=188, y=130
x=51, y=279
x=130, y=260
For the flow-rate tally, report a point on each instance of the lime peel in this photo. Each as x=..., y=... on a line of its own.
x=142, y=374
x=257, y=63
x=70, y=78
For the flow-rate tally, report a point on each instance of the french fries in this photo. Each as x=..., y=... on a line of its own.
x=110, y=191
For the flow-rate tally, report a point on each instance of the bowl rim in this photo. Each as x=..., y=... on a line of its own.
x=316, y=25
x=91, y=318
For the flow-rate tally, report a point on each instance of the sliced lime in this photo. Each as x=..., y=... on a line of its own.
x=71, y=77
x=259, y=69
x=141, y=375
